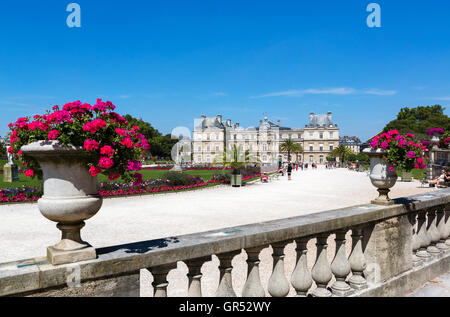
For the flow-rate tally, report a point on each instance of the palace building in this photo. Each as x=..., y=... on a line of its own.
x=212, y=135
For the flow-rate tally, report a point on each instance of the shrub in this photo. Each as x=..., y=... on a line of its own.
x=178, y=179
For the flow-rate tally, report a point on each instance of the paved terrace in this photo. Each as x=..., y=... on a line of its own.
x=24, y=233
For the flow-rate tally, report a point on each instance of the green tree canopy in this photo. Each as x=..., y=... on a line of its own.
x=160, y=145
x=341, y=151
x=145, y=127
x=420, y=119
x=290, y=146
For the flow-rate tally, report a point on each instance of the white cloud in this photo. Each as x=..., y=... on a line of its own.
x=379, y=92
x=442, y=98
x=327, y=91
x=312, y=91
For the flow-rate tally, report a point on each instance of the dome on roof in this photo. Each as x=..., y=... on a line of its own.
x=320, y=120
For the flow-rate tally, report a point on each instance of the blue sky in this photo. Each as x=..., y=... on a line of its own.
x=171, y=61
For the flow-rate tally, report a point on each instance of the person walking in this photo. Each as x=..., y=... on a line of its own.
x=289, y=171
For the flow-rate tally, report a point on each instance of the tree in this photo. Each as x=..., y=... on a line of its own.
x=341, y=151
x=235, y=157
x=2, y=148
x=162, y=145
x=418, y=120
x=290, y=146
x=145, y=127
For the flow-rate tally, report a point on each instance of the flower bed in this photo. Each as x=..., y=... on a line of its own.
x=110, y=189
x=19, y=194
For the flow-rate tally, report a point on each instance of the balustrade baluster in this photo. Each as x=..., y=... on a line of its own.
x=195, y=276
x=423, y=236
x=321, y=271
x=253, y=286
x=160, y=279
x=301, y=278
x=357, y=261
x=415, y=242
x=278, y=283
x=447, y=224
x=440, y=220
x=340, y=267
x=225, y=288
x=433, y=232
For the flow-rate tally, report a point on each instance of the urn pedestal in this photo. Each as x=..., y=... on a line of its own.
x=381, y=176
x=70, y=197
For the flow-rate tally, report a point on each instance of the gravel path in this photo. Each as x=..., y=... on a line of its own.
x=25, y=233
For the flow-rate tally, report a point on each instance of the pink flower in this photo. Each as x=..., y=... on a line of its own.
x=94, y=126
x=107, y=150
x=100, y=106
x=410, y=135
x=121, y=132
x=411, y=154
x=53, y=135
x=391, y=169
x=374, y=143
x=91, y=145
x=127, y=142
x=384, y=145
x=106, y=162
x=94, y=171
x=393, y=132
x=29, y=173
x=134, y=166
x=420, y=160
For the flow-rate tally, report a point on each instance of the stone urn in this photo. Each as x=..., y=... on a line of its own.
x=70, y=197
x=435, y=139
x=380, y=176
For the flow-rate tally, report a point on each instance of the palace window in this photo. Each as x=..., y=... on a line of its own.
x=208, y=137
x=321, y=148
x=217, y=148
x=331, y=135
x=321, y=135
x=331, y=147
x=311, y=147
x=311, y=158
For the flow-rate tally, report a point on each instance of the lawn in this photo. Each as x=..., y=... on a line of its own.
x=148, y=174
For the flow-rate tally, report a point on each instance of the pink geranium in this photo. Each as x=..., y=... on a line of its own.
x=91, y=145
x=384, y=145
x=53, y=135
x=127, y=142
x=411, y=154
x=134, y=166
x=106, y=162
x=95, y=170
x=29, y=173
x=107, y=150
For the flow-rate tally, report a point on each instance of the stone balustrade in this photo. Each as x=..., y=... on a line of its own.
x=393, y=250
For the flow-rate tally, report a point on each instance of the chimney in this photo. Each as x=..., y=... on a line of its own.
x=228, y=122
x=329, y=115
x=278, y=123
x=260, y=123
x=219, y=118
x=311, y=116
x=203, y=117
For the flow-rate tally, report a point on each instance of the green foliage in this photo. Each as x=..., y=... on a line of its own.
x=145, y=127
x=2, y=149
x=290, y=146
x=179, y=179
x=418, y=120
x=360, y=157
x=342, y=152
x=235, y=158
x=161, y=145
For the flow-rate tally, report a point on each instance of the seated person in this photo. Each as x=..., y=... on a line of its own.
x=441, y=178
x=264, y=178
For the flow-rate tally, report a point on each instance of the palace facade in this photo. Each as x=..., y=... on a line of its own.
x=213, y=134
